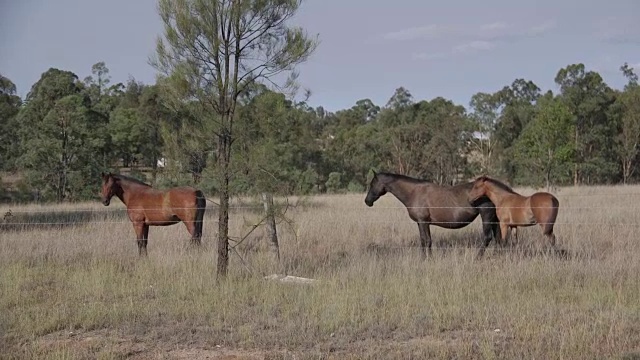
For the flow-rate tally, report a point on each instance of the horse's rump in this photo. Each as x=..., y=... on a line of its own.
x=545, y=209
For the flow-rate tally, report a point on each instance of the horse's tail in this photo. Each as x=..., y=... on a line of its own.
x=201, y=205
x=553, y=214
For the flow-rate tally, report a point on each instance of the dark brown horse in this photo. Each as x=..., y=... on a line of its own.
x=432, y=204
x=514, y=210
x=147, y=206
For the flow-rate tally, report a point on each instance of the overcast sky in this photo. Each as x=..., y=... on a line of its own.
x=368, y=47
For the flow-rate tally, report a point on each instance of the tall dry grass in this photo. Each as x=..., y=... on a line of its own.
x=80, y=290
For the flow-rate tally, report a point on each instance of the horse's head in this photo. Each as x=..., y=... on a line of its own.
x=479, y=188
x=108, y=184
x=376, y=189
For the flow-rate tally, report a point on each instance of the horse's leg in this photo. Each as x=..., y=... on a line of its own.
x=506, y=232
x=425, y=238
x=497, y=235
x=490, y=224
x=197, y=231
x=547, y=230
x=515, y=236
x=145, y=238
x=552, y=239
x=487, y=230
x=191, y=228
x=142, y=234
x=547, y=219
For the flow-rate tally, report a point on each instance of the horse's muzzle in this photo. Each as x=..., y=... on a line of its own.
x=105, y=202
x=369, y=202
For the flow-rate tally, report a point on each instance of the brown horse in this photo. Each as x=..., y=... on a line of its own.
x=431, y=204
x=515, y=210
x=147, y=206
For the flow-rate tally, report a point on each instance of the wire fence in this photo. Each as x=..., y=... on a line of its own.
x=53, y=209
x=39, y=216
x=53, y=216
x=408, y=221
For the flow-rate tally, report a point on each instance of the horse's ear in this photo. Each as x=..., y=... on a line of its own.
x=371, y=175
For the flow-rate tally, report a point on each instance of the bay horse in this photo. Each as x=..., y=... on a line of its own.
x=147, y=206
x=431, y=204
x=515, y=210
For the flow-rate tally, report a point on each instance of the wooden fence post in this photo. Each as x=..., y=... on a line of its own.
x=272, y=234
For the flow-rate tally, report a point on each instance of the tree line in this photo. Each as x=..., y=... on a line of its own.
x=66, y=131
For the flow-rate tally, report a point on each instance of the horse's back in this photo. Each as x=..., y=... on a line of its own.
x=446, y=206
x=544, y=201
x=173, y=201
x=183, y=191
x=182, y=197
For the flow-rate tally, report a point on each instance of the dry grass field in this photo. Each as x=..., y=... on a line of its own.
x=79, y=290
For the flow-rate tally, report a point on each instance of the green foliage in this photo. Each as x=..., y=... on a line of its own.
x=544, y=151
x=626, y=110
x=68, y=131
x=127, y=132
x=60, y=153
x=588, y=98
x=355, y=187
x=60, y=137
x=9, y=106
x=334, y=182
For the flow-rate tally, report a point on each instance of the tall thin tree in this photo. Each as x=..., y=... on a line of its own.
x=212, y=51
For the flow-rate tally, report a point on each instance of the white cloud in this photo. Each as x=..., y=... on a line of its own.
x=542, y=28
x=466, y=48
x=499, y=25
x=471, y=39
x=494, y=31
x=618, y=30
x=477, y=45
x=414, y=33
x=429, y=56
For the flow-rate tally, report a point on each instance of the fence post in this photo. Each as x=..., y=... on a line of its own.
x=272, y=235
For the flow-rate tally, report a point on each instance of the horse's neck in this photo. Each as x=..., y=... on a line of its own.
x=126, y=189
x=120, y=194
x=496, y=195
x=401, y=189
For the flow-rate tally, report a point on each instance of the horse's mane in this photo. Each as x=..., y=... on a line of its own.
x=129, y=179
x=497, y=183
x=403, y=177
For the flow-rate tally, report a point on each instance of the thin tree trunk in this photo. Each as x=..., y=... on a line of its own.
x=224, y=147
x=63, y=176
x=547, y=173
x=272, y=234
x=547, y=179
x=155, y=155
x=575, y=165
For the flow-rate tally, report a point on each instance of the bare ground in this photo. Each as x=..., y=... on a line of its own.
x=170, y=343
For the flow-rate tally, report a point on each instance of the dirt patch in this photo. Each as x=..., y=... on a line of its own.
x=117, y=345
x=113, y=344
